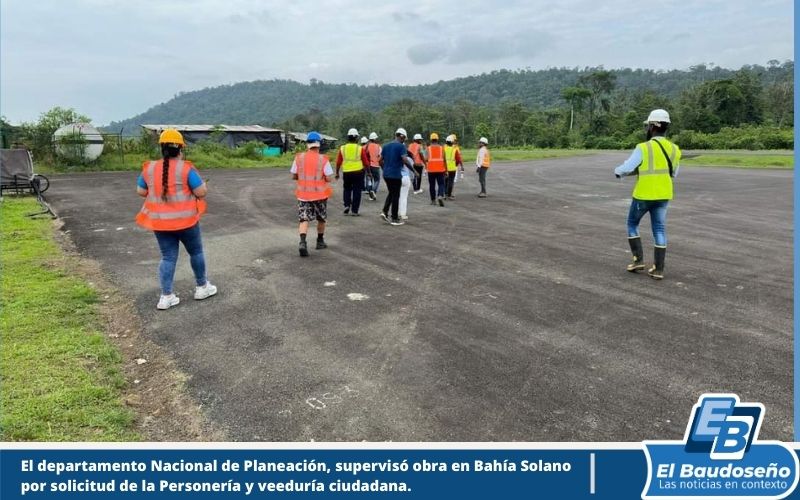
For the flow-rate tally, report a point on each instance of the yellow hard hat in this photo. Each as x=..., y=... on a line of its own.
x=171, y=136
x=434, y=136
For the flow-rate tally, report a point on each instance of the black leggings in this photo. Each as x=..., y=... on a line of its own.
x=393, y=198
x=451, y=181
x=417, y=181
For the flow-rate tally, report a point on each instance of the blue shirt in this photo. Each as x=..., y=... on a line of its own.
x=195, y=181
x=392, y=155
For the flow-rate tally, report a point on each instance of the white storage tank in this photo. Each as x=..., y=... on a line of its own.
x=78, y=141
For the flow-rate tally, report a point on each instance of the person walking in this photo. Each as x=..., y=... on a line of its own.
x=436, y=170
x=367, y=174
x=417, y=151
x=655, y=162
x=452, y=158
x=312, y=171
x=395, y=157
x=483, y=162
x=352, y=160
x=174, y=200
x=374, y=159
x=409, y=176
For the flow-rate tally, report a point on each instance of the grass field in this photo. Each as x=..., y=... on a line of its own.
x=61, y=378
x=740, y=159
x=203, y=160
x=468, y=154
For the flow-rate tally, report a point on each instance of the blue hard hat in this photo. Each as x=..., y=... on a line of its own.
x=313, y=137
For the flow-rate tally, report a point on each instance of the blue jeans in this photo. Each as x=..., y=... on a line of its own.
x=374, y=180
x=168, y=242
x=658, y=219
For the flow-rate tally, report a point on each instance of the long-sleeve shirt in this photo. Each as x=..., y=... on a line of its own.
x=633, y=162
x=364, y=159
x=480, y=158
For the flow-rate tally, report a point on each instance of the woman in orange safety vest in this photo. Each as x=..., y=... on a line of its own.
x=174, y=195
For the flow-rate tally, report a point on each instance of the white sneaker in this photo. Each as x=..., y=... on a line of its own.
x=205, y=291
x=404, y=217
x=167, y=301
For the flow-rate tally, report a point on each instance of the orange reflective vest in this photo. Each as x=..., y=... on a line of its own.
x=416, y=153
x=436, y=159
x=181, y=210
x=311, y=183
x=374, y=154
x=487, y=158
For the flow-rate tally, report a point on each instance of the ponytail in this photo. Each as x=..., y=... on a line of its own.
x=168, y=151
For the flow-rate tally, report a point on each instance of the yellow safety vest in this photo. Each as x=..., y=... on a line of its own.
x=450, y=158
x=654, y=182
x=351, y=157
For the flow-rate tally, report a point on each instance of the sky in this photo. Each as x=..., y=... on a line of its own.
x=113, y=59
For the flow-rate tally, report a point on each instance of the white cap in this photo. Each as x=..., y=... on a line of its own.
x=484, y=140
x=373, y=136
x=352, y=133
x=401, y=131
x=417, y=137
x=658, y=116
x=364, y=140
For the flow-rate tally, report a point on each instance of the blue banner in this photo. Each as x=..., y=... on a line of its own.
x=221, y=474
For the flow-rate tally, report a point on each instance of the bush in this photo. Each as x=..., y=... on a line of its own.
x=603, y=142
x=689, y=139
x=753, y=138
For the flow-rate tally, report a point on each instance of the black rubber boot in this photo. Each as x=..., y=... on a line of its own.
x=657, y=271
x=638, y=255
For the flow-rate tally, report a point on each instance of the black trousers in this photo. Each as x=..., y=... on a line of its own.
x=353, y=182
x=436, y=184
x=451, y=181
x=482, y=178
x=417, y=181
x=393, y=198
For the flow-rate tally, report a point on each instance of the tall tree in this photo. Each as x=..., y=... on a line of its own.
x=575, y=97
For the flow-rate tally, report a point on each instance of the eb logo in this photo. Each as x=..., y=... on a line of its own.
x=723, y=427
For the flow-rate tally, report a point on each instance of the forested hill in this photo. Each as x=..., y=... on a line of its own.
x=272, y=101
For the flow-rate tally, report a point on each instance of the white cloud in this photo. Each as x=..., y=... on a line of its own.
x=112, y=59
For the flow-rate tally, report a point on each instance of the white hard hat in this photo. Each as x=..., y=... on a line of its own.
x=658, y=116
x=449, y=138
x=417, y=137
x=364, y=140
x=352, y=132
x=401, y=131
x=373, y=136
x=484, y=140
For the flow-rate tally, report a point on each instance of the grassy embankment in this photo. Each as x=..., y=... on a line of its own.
x=739, y=159
x=61, y=378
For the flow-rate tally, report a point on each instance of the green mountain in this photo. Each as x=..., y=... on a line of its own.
x=268, y=102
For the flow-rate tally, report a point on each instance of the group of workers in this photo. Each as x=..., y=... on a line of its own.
x=174, y=192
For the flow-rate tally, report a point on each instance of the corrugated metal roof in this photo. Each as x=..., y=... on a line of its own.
x=211, y=128
x=302, y=136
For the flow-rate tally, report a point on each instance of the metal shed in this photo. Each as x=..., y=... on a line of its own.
x=230, y=135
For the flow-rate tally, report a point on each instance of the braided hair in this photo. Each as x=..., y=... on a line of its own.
x=167, y=151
